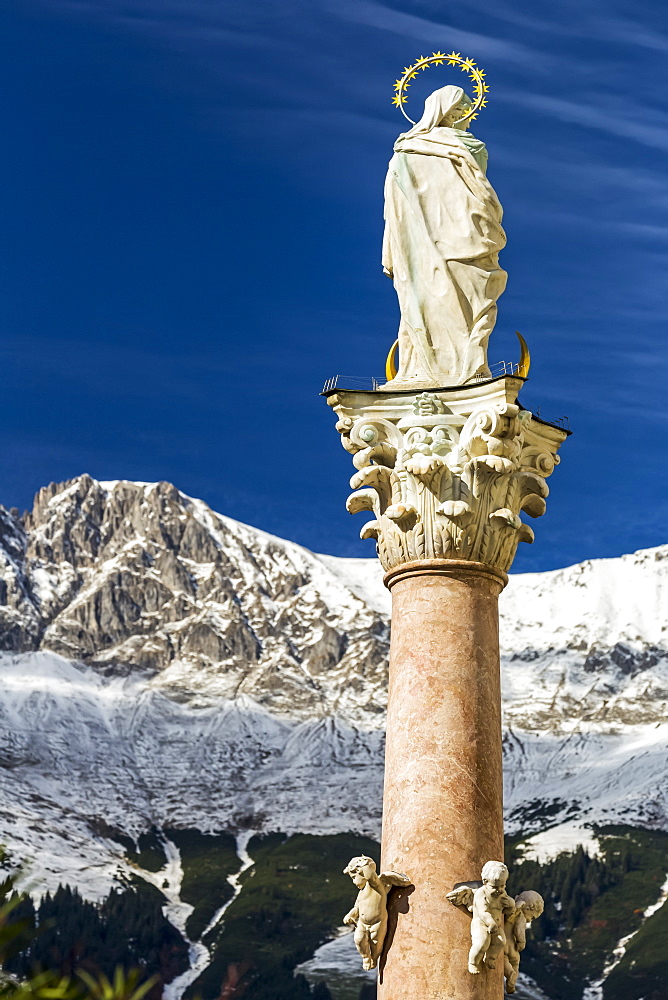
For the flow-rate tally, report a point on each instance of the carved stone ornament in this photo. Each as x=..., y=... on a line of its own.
x=447, y=472
x=369, y=914
x=498, y=922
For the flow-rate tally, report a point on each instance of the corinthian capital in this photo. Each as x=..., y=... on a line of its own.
x=447, y=473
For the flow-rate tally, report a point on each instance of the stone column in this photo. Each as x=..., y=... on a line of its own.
x=442, y=805
x=447, y=474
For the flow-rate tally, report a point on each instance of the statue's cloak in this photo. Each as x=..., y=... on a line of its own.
x=442, y=237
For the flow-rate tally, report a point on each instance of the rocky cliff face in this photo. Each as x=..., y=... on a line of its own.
x=139, y=579
x=166, y=666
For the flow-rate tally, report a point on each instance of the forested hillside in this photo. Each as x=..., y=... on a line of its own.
x=294, y=894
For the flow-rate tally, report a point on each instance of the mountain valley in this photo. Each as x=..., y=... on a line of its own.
x=180, y=689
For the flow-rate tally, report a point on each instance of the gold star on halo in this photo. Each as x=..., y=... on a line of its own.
x=452, y=59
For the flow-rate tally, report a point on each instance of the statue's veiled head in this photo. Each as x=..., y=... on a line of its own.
x=443, y=108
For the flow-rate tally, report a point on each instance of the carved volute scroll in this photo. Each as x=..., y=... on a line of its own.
x=447, y=473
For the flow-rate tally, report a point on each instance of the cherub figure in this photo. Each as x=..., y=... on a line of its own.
x=369, y=914
x=491, y=903
x=528, y=906
x=498, y=922
x=488, y=904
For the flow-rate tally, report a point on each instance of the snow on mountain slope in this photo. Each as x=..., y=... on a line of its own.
x=588, y=643
x=167, y=666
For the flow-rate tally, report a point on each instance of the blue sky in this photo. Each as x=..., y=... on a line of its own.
x=191, y=206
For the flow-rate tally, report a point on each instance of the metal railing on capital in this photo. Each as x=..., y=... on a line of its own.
x=372, y=383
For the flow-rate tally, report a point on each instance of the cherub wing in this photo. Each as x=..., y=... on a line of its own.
x=394, y=878
x=461, y=896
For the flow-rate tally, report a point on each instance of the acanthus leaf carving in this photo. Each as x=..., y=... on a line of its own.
x=362, y=500
x=401, y=512
x=456, y=510
x=369, y=530
x=447, y=473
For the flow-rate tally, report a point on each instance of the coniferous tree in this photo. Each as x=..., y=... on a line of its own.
x=127, y=930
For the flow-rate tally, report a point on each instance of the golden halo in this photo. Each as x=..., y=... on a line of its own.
x=480, y=88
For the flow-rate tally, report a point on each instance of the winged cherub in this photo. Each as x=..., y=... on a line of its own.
x=498, y=922
x=528, y=906
x=369, y=914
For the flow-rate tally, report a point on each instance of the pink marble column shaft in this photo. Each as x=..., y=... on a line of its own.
x=443, y=798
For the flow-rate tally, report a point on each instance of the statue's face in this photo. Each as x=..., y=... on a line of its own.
x=498, y=881
x=454, y=114
x=359, y=880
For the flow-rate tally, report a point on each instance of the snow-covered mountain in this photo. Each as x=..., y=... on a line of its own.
x=166, y=666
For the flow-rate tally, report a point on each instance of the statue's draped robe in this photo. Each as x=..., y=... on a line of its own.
x=442, y=238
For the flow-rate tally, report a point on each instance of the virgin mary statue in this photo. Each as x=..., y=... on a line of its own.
x=441, y=244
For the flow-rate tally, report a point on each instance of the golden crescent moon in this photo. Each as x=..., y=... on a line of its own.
x=391, y=362
x=525, y=357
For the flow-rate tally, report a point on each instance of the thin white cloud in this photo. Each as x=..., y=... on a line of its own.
x=435, y=33
x=572, y=19
x=630, y=32
x=574, y=221
x=647, y=126
x=644, y=230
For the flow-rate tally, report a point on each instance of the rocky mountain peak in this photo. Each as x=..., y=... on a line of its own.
x=165, y=666
x=137, y=576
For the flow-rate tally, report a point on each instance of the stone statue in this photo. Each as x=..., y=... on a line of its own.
x=498, y=922
x=491, y=904
x=369, y=914
x=442, y=238
x=528, y=906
